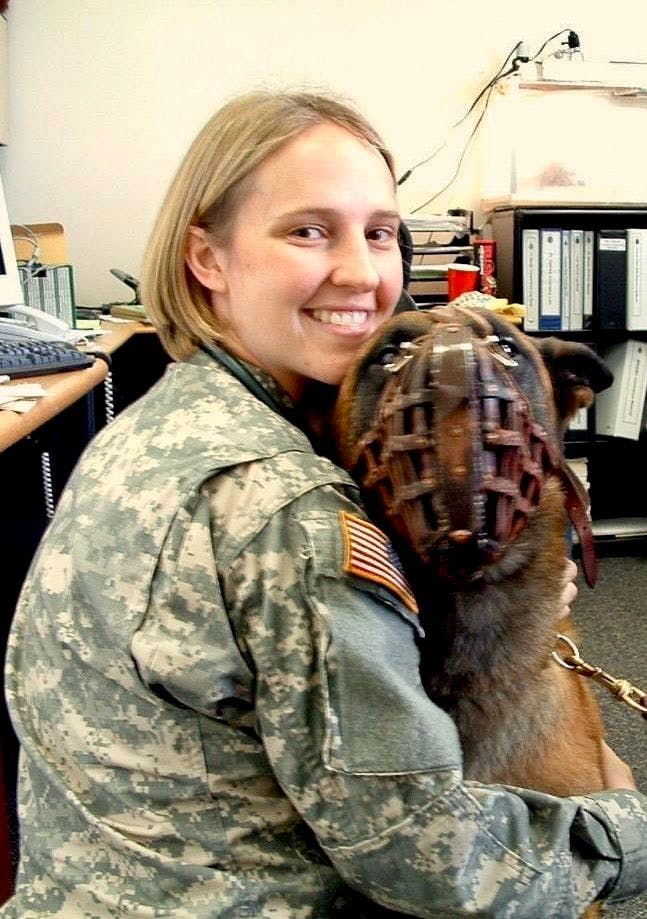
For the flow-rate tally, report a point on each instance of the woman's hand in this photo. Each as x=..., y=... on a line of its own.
x=616, y=773
x=569, y=589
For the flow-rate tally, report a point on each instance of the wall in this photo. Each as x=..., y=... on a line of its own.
x=4, y=82
x=105, y=97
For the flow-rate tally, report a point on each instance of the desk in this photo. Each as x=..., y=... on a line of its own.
x=39, y=448
x=63, y=389
x=115, y=334
x=58, y=427
x=23, y=522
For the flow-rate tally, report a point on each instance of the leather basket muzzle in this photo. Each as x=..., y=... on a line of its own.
x=455, y=459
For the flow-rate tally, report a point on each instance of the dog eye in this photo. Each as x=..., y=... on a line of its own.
x=509, y=346
x=388, y=355
x=505, y=350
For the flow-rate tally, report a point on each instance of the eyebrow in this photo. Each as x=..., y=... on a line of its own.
x=332, y=212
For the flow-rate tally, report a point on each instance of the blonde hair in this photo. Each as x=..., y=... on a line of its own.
x=205, y=192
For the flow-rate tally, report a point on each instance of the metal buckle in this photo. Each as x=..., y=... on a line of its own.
x=406, y=346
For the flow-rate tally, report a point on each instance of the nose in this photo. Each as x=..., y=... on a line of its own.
x=354, y=265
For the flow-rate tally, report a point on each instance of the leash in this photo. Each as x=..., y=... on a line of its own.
x=623, y=690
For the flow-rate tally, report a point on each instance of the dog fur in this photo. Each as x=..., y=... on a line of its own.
x=486, y=658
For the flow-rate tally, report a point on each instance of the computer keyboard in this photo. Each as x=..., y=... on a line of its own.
x=22, y=357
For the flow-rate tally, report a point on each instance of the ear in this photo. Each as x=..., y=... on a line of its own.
x=576, y=372
x=205, y=259
x=405, y=303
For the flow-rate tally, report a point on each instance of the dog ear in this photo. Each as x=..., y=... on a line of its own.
x=405, y=304
x=576, y=371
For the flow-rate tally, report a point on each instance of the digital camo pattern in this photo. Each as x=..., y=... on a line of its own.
x=217, y=721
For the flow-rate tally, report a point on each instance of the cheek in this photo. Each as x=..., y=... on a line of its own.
x=278, y=258
x=298, y=273
x=387, y=298
x=392, y=272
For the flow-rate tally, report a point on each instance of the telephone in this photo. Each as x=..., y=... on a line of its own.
x=27, y=322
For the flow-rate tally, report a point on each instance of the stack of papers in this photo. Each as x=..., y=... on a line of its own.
x=20, y=397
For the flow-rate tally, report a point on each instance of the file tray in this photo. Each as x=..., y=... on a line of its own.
x=51, y=289
x=46, y=276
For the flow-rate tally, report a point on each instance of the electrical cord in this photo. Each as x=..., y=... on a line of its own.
x=33, y=237
x=497, y=76
x=573, y=42
x=30, y=270
x=28, y=237
x=460, y=159
x=31, y=267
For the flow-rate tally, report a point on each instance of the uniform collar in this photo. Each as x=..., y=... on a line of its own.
x=260, y=383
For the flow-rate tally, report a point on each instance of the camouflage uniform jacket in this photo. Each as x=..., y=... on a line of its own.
x=220, y=708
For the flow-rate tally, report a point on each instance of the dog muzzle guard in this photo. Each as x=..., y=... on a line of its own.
x=455, y=457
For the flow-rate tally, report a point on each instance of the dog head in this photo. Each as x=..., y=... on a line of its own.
x=452, y=420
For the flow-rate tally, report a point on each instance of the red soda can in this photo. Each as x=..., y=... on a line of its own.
x=486, y=260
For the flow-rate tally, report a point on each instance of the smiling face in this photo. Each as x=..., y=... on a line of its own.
x=311, y=266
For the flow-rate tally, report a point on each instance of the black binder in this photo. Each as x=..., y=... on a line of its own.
x=612, y=279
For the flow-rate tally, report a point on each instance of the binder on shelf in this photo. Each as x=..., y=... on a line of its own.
x=619, y=410
x=566, y=279
x=579, y=427
x=587, y=283
x=550, y=281
x=580, y=420
x=576, y=312
x=579, y=465
x=530, y=276
x=612, y=278
x=636, y=293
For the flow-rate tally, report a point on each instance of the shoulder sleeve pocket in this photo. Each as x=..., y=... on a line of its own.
x=379, y=719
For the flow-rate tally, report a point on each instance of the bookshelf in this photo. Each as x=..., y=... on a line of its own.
x=615, y=464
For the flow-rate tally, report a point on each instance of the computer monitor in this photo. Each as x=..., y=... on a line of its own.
x=10, y=287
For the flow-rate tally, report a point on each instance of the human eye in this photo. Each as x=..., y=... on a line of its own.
x=308, y=233
x=382, y=235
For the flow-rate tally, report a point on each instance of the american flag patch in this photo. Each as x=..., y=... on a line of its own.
x=368, y=553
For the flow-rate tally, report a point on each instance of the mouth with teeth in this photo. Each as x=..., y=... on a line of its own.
x=350, y=319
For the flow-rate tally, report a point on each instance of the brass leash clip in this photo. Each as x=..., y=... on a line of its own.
x=622, y=689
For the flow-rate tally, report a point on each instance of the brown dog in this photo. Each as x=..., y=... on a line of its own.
x=452, y=422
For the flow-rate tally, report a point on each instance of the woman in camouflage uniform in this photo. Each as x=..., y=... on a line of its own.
x=213, y=665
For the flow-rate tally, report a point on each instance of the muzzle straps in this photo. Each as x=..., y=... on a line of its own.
x=455, y=457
